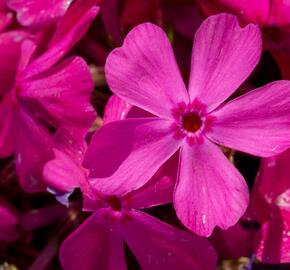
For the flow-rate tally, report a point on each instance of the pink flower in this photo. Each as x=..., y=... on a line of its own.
x=271, y=204
x=41, y=93
x=99, y=241
x=209, y=190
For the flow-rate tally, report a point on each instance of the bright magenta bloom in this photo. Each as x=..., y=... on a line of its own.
x=209, y=191
x=99, y=242
x=40, y=93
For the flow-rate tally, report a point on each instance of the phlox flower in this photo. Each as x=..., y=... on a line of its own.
x=271, y=207
x=99, y=241
x=41, y=94
x=209, y=191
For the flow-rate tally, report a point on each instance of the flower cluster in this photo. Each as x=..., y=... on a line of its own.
x=144, y=134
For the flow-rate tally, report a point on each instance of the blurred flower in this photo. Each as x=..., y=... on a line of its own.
x=40, y=94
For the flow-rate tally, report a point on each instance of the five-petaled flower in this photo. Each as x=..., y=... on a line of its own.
x=124, y=155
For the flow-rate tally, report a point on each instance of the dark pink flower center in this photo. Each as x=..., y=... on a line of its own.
x=191, y=121
x=115, y=203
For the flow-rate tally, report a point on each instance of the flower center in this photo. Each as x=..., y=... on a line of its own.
x=191, y=122
x=115, y=203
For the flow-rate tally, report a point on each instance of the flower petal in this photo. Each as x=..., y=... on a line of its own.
x=271, y=181
x=9, y=222
x=223, y=56
x=210, y=191
x=257, y=123
x=39, y=13
x=71, y=28
x=65, y=173
x=144, y=72
x=64, y=91
x=94, y=245
x=33, y=148
x=10, y=50
x=110, y=18
x=273, y=241
x=257, y=12
x=234, y=243
x=6, y=15
x=6, y=122
x=158, y=245
x=116, y=109
x=158, y=190
x=124, y=155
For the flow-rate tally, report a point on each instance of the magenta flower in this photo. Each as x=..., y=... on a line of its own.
x=99, y=242
x=209, y=191
x=42, y=93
